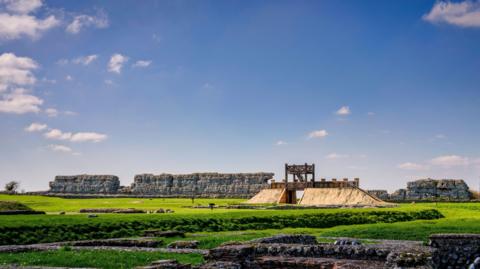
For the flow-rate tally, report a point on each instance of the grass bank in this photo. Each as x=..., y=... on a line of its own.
x=107, y=259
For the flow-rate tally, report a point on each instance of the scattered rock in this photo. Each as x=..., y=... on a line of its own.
x=160, y=233
x=165, y=264
x=183, y=244
x=121, y=242
x=160, y=211
x=92, y=216
x=61, y=213
x=288, y=239
x=351, y=242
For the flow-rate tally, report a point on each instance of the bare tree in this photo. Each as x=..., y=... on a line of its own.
x=12, y=186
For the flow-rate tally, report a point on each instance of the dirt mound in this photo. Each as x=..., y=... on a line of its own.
x=266, y=196
x=339, y=196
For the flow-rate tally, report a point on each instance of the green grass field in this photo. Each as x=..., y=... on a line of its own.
x=458, y=218
x=107, y=259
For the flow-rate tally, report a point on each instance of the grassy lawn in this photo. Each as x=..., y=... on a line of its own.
x=97, y=259
x=56, y=204
x=459, y=218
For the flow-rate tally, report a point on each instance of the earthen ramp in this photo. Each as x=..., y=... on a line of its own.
x=339, y=196
x=266, y=196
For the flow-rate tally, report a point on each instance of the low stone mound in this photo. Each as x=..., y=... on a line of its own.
x=143, y=242
x=111, y=210
x=288, y=239
x=266, y=196
x=184, y=244
x=348, y=196
x=161, y=233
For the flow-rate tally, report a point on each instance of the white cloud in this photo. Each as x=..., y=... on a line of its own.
x=281, y=143
x=21, y=6
x=85, y=60
x=20, y=102
x=440, y=136
x=333, y=156
x=17, y=25
x=108, y=82
x=411, y=166
x=68, y=78
x=88, y=137
x=318, y=134
x=463, y=14
x=60, y=148
x=57, y=134
x=142, y=63
x=83, y=21
x=343, y=111
x=51, y=112
x=371, y=113
x=70, y=113
x=16, y=71
x=116, y=63
x=450, y=160
x=36, y=127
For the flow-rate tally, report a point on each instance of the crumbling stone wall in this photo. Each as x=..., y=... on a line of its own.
x=85, y=184
x=455, y=250
x=382, y=194
x=443, y=189
x=214, y=185
x=433, y=189
x=428, y=189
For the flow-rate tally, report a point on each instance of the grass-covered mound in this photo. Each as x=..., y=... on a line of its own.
x=108, y=259
x=110, y=227
x=12, y=205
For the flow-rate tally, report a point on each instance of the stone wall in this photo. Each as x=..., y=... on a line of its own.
x=428, y=189
x=443, y=189
x=381, y=194
x=242, y=185
x=85, y=184
x=455, y=250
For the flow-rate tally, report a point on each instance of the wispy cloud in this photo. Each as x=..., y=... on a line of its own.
x=343, y=111
x=85, y=60
x=462, y=14
x=333, y=156
x=36, y=127
x=412, y=166
x=281, y=143
x=318, y=134
x=51, y=112
x=60, y=148
x=80, y=22
x=450, y=160
x=116, y=63
x=57, y=134
x=142, y=63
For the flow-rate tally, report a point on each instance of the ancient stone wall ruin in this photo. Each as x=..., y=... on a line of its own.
x=101, y=184
x=211, y=185
x=241, y=185
x=428, y=189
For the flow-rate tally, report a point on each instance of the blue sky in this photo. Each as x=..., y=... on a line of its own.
x=382, y=90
